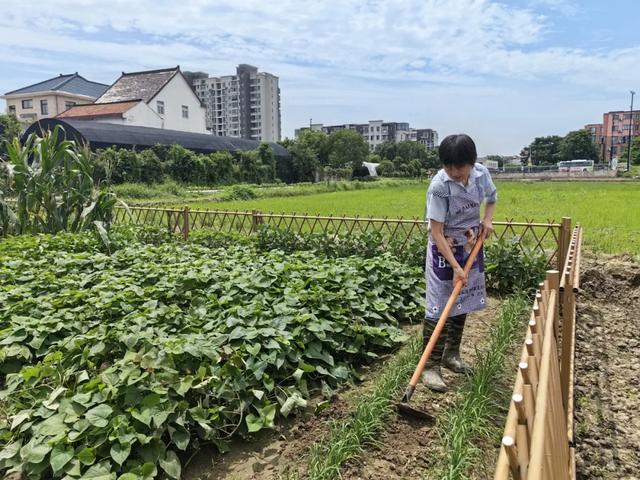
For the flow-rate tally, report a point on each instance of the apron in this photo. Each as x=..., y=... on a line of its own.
x=462, y=222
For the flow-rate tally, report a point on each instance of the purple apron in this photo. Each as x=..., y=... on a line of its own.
x=462, y=224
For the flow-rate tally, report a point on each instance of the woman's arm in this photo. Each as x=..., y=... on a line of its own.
x=487, y=221
x=437, y=232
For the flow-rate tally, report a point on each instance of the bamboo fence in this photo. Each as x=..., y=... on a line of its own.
x=546, y=239
x=538, y=441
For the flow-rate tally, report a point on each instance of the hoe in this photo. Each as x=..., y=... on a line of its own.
x=403, y=405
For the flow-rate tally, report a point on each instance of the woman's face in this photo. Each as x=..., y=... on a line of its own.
x=458, y=174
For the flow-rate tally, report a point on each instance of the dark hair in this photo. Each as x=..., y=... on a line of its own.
x=458, y=150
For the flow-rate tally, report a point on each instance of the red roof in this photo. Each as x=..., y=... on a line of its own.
x=98, y=109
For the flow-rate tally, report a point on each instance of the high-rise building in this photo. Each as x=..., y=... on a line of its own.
x=245, y=105
x=377, y=131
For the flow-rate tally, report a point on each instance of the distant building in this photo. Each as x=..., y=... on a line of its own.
x=51, y=97
x=153, y=98
x=613, y=134
x=377, y=131
x=245, y=105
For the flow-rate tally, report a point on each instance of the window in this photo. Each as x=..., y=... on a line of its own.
x=44, y=107
x=12, y=109
x=27, y=103
x=185, y=111
x=160, y=107
x=68, y=104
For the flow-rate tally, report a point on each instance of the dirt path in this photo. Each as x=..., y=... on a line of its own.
x=607, y=370
x=404, y=445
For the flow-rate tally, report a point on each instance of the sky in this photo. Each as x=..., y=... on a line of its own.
x=503, y=72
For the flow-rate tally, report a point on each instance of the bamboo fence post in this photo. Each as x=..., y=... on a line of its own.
x=512, y=454
x=563, y=240
x=185, y=223
x=169, y=222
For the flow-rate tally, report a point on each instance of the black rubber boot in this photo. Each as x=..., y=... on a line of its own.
x=432, y=375
x=451, y=356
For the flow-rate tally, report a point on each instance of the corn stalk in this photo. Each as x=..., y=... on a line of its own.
x=51, y=179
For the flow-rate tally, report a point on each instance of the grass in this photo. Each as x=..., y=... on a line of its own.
x=349, y=438
x=609, y=211
x=467, y=423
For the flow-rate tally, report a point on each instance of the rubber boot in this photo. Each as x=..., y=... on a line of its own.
x=432, y=375
x=432, y=378
x=451, y=357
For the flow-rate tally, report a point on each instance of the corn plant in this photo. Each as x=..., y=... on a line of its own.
x=51, y=180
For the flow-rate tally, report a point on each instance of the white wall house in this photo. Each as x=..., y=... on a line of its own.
x=155, y=98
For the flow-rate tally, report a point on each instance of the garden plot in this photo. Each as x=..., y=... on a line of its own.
x=607, y=387
x=404, y=448
x=123, y=365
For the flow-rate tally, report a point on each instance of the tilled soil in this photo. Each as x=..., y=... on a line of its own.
x=404, y=447
x=607, y=429
x=407, y=448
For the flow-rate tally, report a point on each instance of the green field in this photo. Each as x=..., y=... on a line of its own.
x=609, y=211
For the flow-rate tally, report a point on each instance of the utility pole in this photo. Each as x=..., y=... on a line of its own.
x=630, y=132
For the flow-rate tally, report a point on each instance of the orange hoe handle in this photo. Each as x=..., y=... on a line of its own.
x=445, y=313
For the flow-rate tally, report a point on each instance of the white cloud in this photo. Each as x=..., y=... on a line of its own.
x=336, y=60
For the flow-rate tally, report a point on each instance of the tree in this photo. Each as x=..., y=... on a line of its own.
x=387, y=150
x=635, y=151
x=317, y=141
x=546, y=150
x=268, y=159
x=10, y=128
x=304, y=163
x=347, y=149
x=578, y=145
x=524, y=155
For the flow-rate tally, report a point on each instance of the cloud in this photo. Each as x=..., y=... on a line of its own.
x=335, y=59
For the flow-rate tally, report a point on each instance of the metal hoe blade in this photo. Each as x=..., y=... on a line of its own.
x=406, y=409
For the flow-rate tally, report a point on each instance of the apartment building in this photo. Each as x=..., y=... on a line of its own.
x=613, y=135
x=245, y=105
x=376, y=132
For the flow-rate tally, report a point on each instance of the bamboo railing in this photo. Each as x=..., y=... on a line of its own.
x=544, y=238
x=538, y=436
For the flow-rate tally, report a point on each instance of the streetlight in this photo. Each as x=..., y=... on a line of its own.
x=630, y=132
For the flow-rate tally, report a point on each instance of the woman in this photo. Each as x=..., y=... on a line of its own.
x=453, y=209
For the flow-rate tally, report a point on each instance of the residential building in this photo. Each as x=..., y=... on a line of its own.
x=245, y=105
x=51, y=97
x=153, y=98
x=614, y=133
x=377, y=131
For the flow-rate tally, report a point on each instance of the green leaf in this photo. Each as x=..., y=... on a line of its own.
x=100, y=471
x=34, y=453
x=254, y=423
x=87, y=456
x=99, y=416
x=120, y=452
x=10, y=451
x=52, y=426
x=179, y=437
x=60, y=456
x=171, y=464
x=294, y=401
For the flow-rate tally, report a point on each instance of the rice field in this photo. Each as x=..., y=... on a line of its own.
x=609, y=211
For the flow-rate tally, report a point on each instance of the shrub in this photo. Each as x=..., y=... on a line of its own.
x=239, y=192
x=508, y=269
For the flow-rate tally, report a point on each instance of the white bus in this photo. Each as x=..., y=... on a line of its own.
x=576, y=166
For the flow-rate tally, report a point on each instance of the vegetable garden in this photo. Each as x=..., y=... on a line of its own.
x=132, y=352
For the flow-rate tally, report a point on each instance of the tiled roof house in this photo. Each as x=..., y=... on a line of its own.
x=153, y=98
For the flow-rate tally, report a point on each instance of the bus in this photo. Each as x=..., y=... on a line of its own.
x=575, y=166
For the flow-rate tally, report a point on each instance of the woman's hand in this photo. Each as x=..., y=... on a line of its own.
x=458, y=274
x=487, y=227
